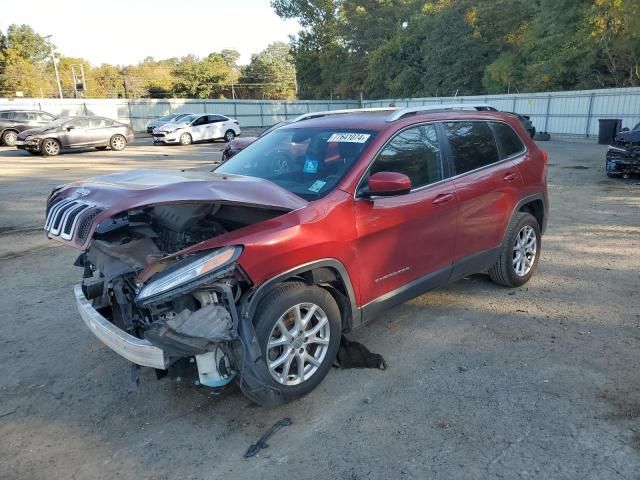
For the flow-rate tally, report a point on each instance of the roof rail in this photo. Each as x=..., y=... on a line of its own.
x=310, y=115
x=404, y=112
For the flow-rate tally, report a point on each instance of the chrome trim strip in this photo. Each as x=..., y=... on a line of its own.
x=82, y=209
x=134, y=349
x=54, y=211
x=60, y=220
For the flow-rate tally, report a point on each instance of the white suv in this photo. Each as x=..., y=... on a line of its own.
x=197, y=127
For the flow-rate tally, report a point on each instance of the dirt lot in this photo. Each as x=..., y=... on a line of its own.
x=483, y=382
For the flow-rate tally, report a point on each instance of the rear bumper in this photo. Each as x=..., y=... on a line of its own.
x=133, y=349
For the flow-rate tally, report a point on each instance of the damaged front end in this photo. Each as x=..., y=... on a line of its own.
x=143, y=292
x=623, y=157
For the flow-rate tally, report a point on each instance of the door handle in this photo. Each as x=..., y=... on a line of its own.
x=443, y=198
x=510, y=177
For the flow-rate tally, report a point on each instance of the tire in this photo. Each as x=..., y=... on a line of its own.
x=101, y=148
x=229, y=135
x=518, y=244
x=9, y=138
x=50, y=147
x=117, y=142
x=281, y=352
x=186, y=139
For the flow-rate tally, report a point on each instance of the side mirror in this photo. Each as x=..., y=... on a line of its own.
x=625, y=129
x=70, y=127
x=387, y=184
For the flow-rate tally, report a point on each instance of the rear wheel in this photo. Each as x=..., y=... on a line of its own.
x=229, y=135
x=185, y=139
x=520, y=252
x=118, y=142
x=298, y=328
x=9, y=138
x=50, y=147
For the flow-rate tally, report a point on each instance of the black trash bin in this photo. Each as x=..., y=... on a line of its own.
x=608, y=129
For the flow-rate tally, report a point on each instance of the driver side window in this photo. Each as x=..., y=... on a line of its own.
x=414, y=152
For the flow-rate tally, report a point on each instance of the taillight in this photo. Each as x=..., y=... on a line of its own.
x=545, y=156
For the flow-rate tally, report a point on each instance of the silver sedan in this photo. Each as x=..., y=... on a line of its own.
x=71, y=132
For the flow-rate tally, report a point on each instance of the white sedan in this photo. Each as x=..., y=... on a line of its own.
x=196, y=128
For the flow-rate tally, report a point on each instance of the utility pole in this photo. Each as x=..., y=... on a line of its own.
x=55, y=63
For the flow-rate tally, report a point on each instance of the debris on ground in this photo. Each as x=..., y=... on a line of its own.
x=262, y=441
x=355, y=355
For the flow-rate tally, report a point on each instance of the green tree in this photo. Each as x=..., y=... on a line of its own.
x=271, y=73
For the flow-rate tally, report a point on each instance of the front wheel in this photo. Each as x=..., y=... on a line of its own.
x=520, y=252
x=50, y=147
x=298, y=329
x=185, y=139
x=229, y=135
x=117, y=143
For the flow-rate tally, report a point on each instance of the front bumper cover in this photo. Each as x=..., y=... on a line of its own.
x=136, y=350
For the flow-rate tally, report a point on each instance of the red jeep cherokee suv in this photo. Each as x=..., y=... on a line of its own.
x=254, y=271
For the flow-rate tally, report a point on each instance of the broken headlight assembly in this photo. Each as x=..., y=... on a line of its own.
x=188, y=274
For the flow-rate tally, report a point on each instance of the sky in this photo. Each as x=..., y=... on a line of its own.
x=125, y=32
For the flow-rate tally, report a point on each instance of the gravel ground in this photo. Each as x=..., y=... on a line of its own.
x=483, y=382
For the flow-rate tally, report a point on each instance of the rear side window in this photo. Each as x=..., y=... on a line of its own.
x=414, y=152
x=45, y=117
x=509, y=141
x=472, y=145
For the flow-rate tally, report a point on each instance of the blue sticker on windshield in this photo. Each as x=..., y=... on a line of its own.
x=311, y=166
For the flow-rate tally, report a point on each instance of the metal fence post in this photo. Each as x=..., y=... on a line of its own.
x=261, y=115
x=286, y=113
x=589, y=111
x=513, y=109
x=546, y=115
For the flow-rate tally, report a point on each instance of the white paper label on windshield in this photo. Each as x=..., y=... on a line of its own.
x=317, y=186
x=349, y=137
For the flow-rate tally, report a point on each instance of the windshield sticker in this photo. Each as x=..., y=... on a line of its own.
x=349, y=137
x=317, y=186
x=311, y=166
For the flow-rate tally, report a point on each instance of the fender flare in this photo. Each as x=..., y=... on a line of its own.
x=524, y=201
x=332, y=263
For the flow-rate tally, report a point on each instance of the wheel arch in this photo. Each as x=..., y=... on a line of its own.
x=328, y=273
x=534, y=205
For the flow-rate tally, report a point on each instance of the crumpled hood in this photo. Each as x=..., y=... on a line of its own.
x=34, y=131
x=111, y=194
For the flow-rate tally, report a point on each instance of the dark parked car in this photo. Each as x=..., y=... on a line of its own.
x=12, y=122
x=98, y=132
x=526, y=123
x=255, y=271
x=623, y=157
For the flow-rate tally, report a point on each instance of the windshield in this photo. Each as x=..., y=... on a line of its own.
x=166, y=118
x=56, y=123
x=308, y=162
x=185, y=119
x=180, y=117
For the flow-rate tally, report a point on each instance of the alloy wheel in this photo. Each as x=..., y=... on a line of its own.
x=51, y=147
x=10, y=138
x=298, y=344
x=118, y=142
x=524, y=251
